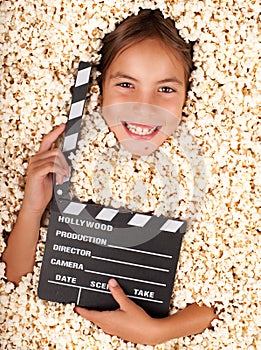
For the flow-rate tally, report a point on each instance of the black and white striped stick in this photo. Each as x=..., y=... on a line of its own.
x=73, y=125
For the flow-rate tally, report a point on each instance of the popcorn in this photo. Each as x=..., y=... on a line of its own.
x=207, y=173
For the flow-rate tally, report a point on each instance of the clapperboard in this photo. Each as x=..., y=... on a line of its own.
x=87, y=244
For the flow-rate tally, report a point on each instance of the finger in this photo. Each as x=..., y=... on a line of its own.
x=59, y=179
x=64, y=163
x=119, y=295
x=52, y=158
x=49, y=139
x=91, y=315
x=55, y=155
x=47, y=167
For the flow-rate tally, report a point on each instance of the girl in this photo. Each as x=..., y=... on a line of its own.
x=145, y=66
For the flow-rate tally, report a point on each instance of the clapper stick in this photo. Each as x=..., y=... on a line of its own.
x=73, y=125
x=89, y=243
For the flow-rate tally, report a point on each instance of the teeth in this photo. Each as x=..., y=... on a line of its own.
x=139, y=130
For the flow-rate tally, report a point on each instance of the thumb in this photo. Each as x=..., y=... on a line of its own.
x=118, y=294
x=50, y=138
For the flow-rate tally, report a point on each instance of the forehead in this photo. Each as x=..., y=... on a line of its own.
x=150, y=56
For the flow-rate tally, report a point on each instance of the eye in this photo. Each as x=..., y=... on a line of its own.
x=125, y=85
x=166, y=89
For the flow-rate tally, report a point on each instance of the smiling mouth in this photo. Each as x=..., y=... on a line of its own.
x=140, y=129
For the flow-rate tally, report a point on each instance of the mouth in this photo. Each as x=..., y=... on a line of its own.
x=140, y=131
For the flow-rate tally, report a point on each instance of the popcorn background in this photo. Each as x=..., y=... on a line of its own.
x=41, y=45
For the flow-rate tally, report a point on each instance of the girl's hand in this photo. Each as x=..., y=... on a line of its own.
x=41, y=169
x=130, y=322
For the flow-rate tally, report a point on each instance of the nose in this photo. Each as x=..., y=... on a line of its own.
x=147, y=113
x=145, y=97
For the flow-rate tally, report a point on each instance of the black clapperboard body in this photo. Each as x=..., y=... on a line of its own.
x=87, y=244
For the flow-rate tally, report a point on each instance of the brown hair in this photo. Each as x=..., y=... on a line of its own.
x=147, y=24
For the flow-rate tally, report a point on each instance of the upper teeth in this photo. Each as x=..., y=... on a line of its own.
x=139, y=130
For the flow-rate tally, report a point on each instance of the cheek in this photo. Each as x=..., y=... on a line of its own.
x=106, y=94
x=178, y=105
x=119, y=132
x=174, y=104
x=111, y=120
x=110, y=98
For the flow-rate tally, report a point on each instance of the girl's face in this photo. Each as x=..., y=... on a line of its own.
x=144, y=91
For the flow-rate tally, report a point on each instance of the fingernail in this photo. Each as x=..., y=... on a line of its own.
x=59, y=180
x=113, y=282
x=65, y=179
x=67, y=175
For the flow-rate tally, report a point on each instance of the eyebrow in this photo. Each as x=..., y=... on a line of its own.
x=171, y=80
x=120, y=75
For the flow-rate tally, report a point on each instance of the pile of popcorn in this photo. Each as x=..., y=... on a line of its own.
x=206, y=173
